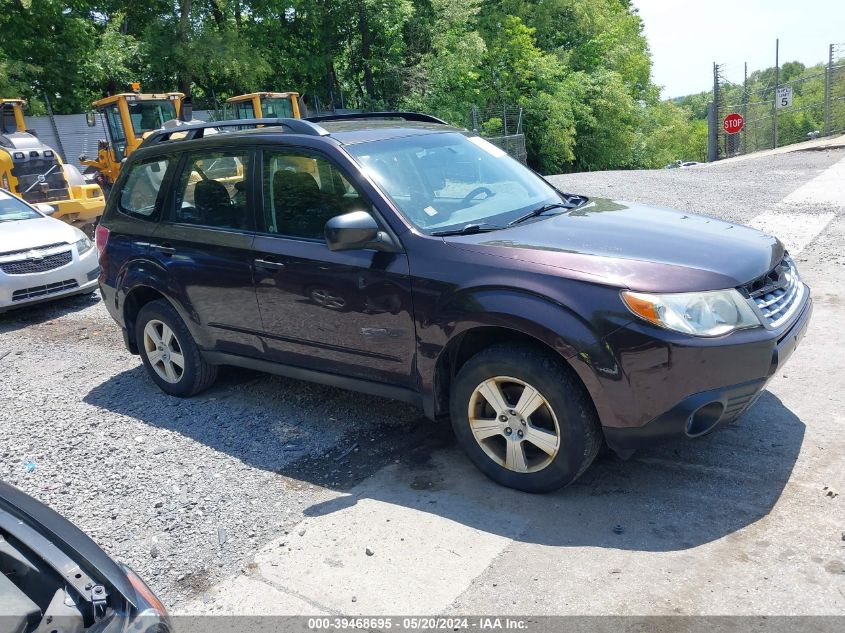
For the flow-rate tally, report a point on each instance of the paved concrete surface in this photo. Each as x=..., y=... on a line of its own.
x=264, y=495
x=746, y=521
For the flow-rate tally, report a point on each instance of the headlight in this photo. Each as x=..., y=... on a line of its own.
x=83, y=245
x=709, y=313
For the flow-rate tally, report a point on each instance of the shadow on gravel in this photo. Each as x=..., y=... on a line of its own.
x=41, y=312
x=667, y=498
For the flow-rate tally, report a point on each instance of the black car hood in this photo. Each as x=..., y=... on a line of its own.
x=62, y=534
x=636, y=246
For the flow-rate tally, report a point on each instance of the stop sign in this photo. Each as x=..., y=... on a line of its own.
x=733, y=123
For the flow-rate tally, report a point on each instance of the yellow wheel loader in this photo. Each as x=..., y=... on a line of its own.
x=127, y=118
x=263, y=105
x=35, y=172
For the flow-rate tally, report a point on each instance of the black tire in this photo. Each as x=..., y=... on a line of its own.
x=197, y=375
x=579, y=429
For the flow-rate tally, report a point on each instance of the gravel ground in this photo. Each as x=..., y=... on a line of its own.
x=185, y=491
x=181, y=490
x=749, y=187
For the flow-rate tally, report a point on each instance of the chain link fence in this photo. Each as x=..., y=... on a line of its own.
x=503, y=126
x=780, y=106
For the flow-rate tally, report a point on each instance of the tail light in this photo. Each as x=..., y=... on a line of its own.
x=101, y=238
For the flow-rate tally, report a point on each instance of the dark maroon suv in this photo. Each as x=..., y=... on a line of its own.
x=396, y=255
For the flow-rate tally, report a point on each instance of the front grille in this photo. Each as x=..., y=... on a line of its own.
x=778, y=293
x=34, y=186
x=37, y=264
x=41, y=291
x=7, y=254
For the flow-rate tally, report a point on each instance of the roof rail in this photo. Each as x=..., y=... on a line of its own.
x=190, y=131
x=352, y=116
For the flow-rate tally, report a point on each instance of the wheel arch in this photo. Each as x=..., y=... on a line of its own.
x=508, y=316
x=136, y=299
x=472, y=341
x=142, y=280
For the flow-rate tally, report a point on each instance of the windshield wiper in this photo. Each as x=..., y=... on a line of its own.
x=540, y=211
x=469, y=229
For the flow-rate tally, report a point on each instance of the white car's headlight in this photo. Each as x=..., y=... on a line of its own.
x=710, y=313
x=83, y=245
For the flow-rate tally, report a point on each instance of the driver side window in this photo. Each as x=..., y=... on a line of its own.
x=212, y=190
x=302, y=192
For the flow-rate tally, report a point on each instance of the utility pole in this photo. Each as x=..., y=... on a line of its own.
x=775, y=98
x=713, y=119
x=828, y=85
x=744, y=148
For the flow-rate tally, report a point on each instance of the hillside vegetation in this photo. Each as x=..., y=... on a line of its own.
x=580, y=69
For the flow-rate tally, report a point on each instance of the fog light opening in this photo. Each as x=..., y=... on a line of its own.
x=704, y=419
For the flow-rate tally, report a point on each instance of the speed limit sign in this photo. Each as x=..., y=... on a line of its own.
x=784, y=97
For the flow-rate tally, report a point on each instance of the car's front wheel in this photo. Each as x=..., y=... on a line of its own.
x=169, y=353
x=523, y=418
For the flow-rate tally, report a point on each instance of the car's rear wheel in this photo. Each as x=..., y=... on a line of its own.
x=523, y=418
x=169, y=353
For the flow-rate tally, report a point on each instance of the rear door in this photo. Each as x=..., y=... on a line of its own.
x=346, y=312
x=205, y=242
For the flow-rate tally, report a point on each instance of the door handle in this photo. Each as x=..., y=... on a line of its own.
x=164, y=249
x=268, y=265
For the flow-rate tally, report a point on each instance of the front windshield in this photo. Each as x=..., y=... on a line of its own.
x=150, y=115
x=276, y=108
x=13, y=209
x=446, y=181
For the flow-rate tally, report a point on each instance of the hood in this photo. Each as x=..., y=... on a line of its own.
x=636, y=246
x=21, y=141
x=19, y=235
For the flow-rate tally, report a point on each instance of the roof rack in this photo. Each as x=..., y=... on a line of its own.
x=191, y=131
x=352, y=116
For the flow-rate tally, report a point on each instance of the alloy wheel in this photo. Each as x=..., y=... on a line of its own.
x=514, y=424
x=164, y=351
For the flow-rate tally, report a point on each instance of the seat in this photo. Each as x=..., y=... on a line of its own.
x=214, y=207
x=298, y=204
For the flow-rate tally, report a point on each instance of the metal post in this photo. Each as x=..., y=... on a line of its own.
x=744, y=147
x=712, y=137
x=828, y=88
x=715, y=113
x=55, y=128
x=775, y=98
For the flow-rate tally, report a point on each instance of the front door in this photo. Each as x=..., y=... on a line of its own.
x=346, y=312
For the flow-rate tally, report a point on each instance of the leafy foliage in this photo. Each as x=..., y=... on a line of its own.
x=580, y=69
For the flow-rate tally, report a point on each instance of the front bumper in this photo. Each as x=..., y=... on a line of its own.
x=705, y=411
x=77, y=276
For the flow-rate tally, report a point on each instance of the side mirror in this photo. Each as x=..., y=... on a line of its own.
x=46, y=209
x=91, y=118
x=355, y=230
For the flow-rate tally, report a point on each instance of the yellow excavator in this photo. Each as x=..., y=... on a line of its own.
x=263, y=105
x=128, y=118
x=35, y=172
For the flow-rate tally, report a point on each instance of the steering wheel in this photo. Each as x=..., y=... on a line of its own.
x=475, y=193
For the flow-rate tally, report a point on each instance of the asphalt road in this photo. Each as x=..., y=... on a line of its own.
x=265, y=495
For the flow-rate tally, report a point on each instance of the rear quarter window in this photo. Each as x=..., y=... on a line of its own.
x=140, y=193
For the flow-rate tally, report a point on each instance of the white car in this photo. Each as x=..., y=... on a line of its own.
x=41, y=258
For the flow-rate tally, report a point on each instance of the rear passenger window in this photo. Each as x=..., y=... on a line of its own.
x=140, y=190
x=211, y=190
x=302, y=193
